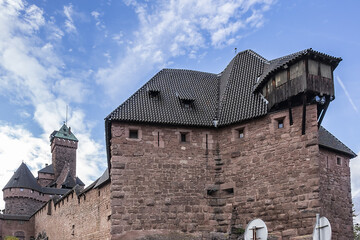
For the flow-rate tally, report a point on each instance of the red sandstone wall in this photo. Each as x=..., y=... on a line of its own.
x=10, y=227
x=271, y=174
x=335, y=193
x=87, y=217
x=63, y=152
x=275, y=173
x=158, y=184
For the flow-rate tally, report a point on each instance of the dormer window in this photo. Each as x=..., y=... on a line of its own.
x=187, y=103
x=153, y=92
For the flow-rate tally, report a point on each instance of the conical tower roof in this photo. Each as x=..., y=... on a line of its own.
x=23, y=178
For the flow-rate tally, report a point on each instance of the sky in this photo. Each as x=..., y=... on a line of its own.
x=91, y=55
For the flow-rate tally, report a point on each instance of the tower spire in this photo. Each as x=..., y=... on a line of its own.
x=66, y=115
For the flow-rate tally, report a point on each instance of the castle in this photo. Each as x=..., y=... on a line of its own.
x=195, y=155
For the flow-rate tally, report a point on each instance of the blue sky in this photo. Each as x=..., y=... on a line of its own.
x=93, y=54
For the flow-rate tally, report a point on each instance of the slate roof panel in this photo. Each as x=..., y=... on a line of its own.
x=327, y=140
x=167, y=108
x=103, y=178
x=64, y=133
x=48, y=169
x=23, y=178
x=55, y=191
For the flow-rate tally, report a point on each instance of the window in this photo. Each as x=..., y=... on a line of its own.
x=183, y=137
x=133, y=134
x=21, y=189
x=338, y=161
x=280, y=123
x=241, y=133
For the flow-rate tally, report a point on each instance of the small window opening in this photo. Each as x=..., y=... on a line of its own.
x=241, y=133
x=338, y=161
x=229, y=190
x=280, y=123
x=158, y=139
x=133, y=134
x=21, y=189
x=183, y=137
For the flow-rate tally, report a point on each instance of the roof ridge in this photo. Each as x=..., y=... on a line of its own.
x=255, y=54
x=187, y=70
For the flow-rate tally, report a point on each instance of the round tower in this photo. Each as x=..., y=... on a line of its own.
x=22, y=194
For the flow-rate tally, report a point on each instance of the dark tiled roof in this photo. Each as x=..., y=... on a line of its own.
x=48, y=169
x=55, y=191
x=23, y=178
x=69, y=181
x=278, y=63
x=173, y=84
x=64, y=133
x=227, y=96
x=327, y=140
x=79, y=182
x=14, y=217
x=237, y=102
x=103, y=178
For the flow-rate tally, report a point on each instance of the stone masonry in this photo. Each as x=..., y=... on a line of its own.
x=217, y=182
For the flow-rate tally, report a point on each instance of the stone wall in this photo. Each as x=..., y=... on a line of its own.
x=63, y=152
x=217, y=181
x=274, y=173
x=86, y=216
x=158, y=181
x=22, y=206
x=14, y=227
x=23, y=201
x=335, y=193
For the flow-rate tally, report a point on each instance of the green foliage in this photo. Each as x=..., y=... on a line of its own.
x=10, y=238
x=238, y=231
x=357, y=231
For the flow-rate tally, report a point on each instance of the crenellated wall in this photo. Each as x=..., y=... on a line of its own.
x=86, y=216
x=217, y=180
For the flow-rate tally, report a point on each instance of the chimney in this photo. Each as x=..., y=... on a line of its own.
x=69, y=130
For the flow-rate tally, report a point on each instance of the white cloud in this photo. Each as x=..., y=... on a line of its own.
x=99, y=24
x=179, y=27
x=31, y=73
x=69, y=23
x=118, y=38
x=20, y=146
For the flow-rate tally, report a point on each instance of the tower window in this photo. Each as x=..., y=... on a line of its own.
x=241, y=133
x=280, y=123
x=134, y=134
x=183, y=137
x=338, y=161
